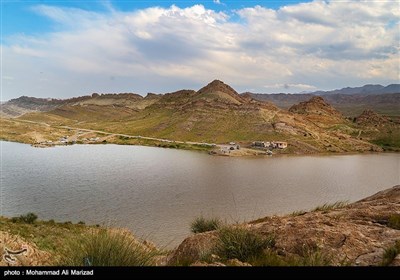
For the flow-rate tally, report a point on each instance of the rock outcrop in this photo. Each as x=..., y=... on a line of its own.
x=357, y=234
x=369, y=117
x=317, y=106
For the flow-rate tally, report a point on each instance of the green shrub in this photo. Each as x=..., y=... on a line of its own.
x=103, y=247
x=390, y=254
x=202, y=224
x=241, y=243
x=29, y=218
x=394, y=221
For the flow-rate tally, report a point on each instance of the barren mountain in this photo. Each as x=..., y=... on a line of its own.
x=215, y=113
x=349, y=101
x=315, y=106
x=369, y=117
x=365, y=90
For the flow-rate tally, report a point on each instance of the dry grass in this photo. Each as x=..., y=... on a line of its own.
x=104, y=247
x=241, y=243
x=202, y=224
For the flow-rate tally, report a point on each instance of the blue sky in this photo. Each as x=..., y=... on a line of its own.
x=70, y=48
x=19, y=17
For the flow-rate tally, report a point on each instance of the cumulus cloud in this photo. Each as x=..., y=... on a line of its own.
x=316, y=45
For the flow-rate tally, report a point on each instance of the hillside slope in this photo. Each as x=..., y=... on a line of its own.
x=215, y=113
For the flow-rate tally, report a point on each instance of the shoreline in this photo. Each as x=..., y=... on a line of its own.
x=188, y=147
x=45, y=135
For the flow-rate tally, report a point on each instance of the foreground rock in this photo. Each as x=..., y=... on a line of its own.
x=356, y=234
x=16, y=252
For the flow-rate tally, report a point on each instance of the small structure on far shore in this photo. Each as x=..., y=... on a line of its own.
x=281, y=145
x=272, y=145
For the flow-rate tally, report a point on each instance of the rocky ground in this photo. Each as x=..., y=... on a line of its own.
x=357, y=234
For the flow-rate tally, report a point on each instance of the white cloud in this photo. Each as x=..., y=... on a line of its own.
x=290, y=88
x=305, y=46
x=287, y=86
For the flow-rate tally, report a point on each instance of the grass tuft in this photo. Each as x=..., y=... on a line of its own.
x=202, y=224
x=394, y=221
x=241, y=243
x=103, y=247
x=308, y=258
x=298, y=213
x=390, y=254
x=330, y=206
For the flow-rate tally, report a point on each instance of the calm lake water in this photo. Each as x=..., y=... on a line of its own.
x=158, y=192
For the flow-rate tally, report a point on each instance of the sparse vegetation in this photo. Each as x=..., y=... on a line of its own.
x=310, y=256
x=313, y=257
x=390, y=254
x=106, y=247
x=241, y=243
x=47, y=235
x=330, y=206
x=394, y=221
x=298, y=213
x=29, y=218
x=388, y=141
x=202, y=224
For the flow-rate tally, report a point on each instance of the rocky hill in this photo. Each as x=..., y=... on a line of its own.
x=348, y=104
x=369, y=117
x=349, y=101
x=24, y=104
x=315, y=106
x=216, y=113
x=359, y=234
x=217, y=90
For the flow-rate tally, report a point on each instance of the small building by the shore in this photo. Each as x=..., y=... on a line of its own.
x=261, y=144
x=281, y=144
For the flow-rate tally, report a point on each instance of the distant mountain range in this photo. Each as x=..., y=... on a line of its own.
x=350, y=101
x=365, y=90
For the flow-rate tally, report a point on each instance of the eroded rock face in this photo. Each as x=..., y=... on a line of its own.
x=356, y=234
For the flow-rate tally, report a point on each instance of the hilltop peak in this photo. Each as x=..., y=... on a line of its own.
x=217, y=82
x=218, y=90
x=370, y=117
x=218, y=85
x=316, y=99
x=316, y=105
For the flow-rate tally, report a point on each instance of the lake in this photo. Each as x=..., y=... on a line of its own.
x=157, y=192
